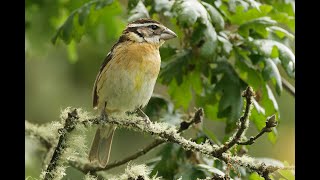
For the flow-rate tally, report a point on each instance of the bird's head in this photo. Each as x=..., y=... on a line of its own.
x=148, y=30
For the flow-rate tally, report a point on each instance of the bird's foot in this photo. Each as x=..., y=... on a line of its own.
x=143, y=115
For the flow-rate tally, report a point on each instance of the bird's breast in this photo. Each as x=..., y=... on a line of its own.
x=130, y=76
x=142, y=59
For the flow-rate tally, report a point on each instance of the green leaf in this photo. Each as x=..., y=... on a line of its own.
x=280, y=32
x=288, y=174
x=170, y=155
x=259, y=25
x=167, y=52
x=274, y=52
x=216, y=18
x=74, y=26
x=211, y=111
x=248, y=72
x=181, y=94
x=188, y=12
x=285, y=19
x=258, y=108
x=287, y=58
x=210, y=44
x=193, y=13
x=174, y=68
x=270, y=71
x=241, y=16
x=255, y=176
x=205, y=37
x=271, y=97
x=66, y=32
x=84, y=13
x=194, y=78
x=231, y=102
x=72, y=52
x=132, y=4
x=268, y=101
x=164, y=6
x=273, y=136
x=139, y=11
x=264, y=103
x=226, y=45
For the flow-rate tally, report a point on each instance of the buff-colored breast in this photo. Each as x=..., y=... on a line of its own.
x=128, y=80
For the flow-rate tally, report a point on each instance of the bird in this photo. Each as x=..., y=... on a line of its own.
x=126, y=79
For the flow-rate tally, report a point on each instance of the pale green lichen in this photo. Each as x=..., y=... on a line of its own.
x=89, y=177
x=47, y=131
x=136, y=171
x=59, y=173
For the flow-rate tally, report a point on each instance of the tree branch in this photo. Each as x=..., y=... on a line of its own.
x=167, y=133
x=31, y=133
x=242, y=124
x=288, y=86
x=85, y=168
x=270, y=123
x=197, y=118
x=68, y=127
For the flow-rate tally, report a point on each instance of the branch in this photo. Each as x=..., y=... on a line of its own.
x=168, y=133
x=270, y=123
x=85, y=168
x=197, y=118
x=288, y=86
x=243, y=121
x=68, y=127
x=30, y=131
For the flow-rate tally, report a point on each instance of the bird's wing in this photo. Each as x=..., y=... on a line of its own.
x=103, y=65
x=94, y=93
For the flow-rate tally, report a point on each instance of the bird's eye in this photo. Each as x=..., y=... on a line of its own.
x=154, y=27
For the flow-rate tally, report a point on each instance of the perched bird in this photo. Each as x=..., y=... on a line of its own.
x=126, y=79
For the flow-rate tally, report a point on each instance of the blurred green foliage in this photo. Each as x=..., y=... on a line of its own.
x=223, y=46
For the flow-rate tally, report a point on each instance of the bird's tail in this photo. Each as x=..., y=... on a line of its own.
x=101, y=145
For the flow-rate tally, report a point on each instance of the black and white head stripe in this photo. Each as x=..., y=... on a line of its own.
x=143, y=22
x=142, y=25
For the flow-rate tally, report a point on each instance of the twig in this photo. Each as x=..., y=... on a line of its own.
x=197, y=118
x=266, y=176
x=68, y=127
x=270, y=123
x=89, y=168
x=29, y=132
x=243, y=121
x=288, y=86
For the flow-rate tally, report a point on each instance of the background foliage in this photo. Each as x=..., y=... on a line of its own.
x=223, y=46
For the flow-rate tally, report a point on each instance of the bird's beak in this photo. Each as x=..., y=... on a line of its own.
x=167, y=34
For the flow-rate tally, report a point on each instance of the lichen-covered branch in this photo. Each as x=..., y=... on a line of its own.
x=68, y=127
x=31, y=131
x=243, y=123
x=270, y=123
x=197, y=118
x=87, y=167
x=164, y=132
